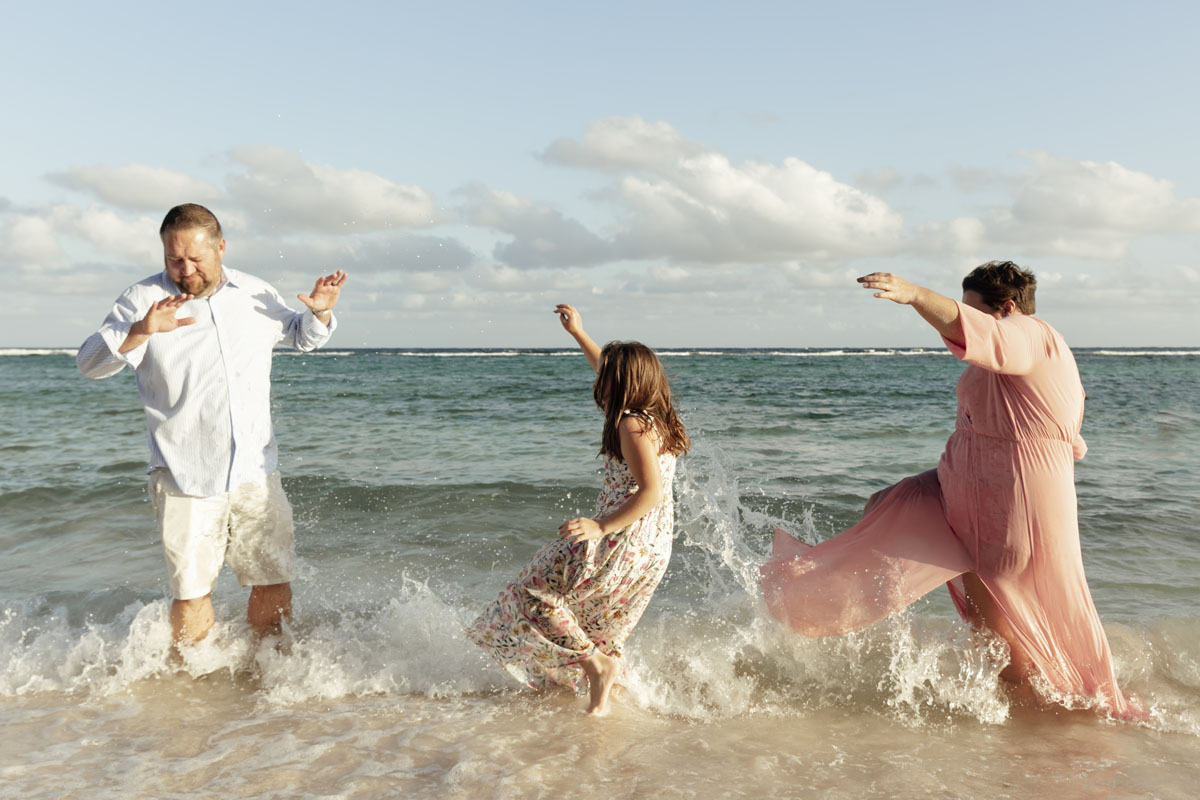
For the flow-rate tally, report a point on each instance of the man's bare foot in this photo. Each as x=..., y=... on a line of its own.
x=601, y=671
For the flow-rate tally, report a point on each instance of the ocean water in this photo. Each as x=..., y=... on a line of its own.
x=423, y=480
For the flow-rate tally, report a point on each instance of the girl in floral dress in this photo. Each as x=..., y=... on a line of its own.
x=572, y=607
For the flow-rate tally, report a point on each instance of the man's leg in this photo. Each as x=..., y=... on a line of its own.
x=262, y=551
x=269, y=607
x=192, y=619
x=193, y=531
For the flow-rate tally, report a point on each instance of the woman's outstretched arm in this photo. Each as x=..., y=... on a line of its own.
x=938, y=310
x=573, y=324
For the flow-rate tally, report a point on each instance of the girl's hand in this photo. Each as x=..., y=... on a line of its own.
x=580, y=529
x=571, y=321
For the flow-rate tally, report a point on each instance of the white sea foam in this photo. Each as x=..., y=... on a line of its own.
x=460, y=353
x=39, y=351
x=918, y=351
x=313, y=353
x=706, y=650
x=1133, y=353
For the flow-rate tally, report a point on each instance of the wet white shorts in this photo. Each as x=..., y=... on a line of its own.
x=250, y=528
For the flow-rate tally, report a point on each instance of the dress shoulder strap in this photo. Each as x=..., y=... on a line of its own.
x=639, y=414
x=647, y=418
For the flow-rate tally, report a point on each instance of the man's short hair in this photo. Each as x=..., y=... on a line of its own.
x=1000, y=281
x=189, y=216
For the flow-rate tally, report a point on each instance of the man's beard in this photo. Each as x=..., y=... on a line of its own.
x=195, y=285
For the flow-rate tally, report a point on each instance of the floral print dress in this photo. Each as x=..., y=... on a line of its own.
x=573, y=600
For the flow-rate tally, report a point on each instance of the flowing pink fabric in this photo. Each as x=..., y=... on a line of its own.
x=1001, y=505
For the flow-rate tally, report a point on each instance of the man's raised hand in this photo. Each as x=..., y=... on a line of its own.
x=325, y=293
x=161, y=316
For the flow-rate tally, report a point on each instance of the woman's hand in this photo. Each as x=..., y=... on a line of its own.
x=580, y=529
x=939, y=311
x=891, y=287
x=571, y=321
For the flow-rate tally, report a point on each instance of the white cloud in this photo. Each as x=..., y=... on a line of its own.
x=137, y=186
x=377, y=253
x=28, y=241
x=687, y=245
x=681, y=201
x=961, y=236
x=291, y=194
x=55, y=238
x=541, y=236
x=1062, y=208
x=502, y=278
x=888, y=180
x=1188, y=274
x=436, y=281
x=981, y=179
x=617, y=144
x=1103, y=197
x=881, y=180
x=108, y=233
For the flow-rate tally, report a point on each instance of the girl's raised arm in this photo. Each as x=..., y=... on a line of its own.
x=573, y=324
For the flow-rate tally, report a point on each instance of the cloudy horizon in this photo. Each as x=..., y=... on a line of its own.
x=716, y=215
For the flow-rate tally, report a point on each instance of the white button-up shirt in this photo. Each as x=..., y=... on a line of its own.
x=206, y=388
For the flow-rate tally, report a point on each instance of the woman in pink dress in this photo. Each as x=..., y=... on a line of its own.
x=996, y=520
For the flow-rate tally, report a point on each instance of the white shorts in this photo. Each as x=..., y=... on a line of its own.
x=250, y=528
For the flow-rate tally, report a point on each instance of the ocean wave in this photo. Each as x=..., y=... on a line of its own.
x=510, y=352
x=314, y=353
x=916, y=668
x=458, y=353
x=376, y=620
x=1140, y=353
x=918, y=351
x=39, y=351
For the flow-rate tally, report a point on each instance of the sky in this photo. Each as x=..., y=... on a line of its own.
x=688, y=174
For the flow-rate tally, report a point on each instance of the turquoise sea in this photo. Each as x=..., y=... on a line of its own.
x=422, y=480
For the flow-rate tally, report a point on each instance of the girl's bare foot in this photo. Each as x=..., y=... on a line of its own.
x=601, y=671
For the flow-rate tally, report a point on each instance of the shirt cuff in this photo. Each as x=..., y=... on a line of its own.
x=114, y=335
x=320, y=329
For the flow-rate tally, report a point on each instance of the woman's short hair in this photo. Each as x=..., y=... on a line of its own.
x=1000, y=281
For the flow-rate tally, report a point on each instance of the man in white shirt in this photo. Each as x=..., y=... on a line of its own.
x=205, y=383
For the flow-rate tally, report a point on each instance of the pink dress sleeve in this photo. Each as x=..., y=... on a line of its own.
x=1008, y=346
x=1078, y=445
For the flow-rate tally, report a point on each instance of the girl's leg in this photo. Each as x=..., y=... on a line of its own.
x=532, y=628
x=602, y=672
x=608, y=619
x=543, y=602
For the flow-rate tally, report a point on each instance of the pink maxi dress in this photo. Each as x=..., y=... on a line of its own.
x=1001, y=504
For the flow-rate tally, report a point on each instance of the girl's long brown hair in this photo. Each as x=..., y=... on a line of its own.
x=632, y=378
